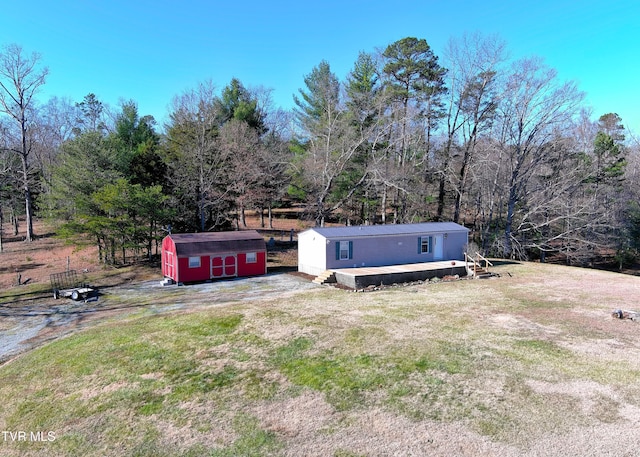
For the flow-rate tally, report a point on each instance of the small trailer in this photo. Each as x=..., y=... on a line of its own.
x=67, y=284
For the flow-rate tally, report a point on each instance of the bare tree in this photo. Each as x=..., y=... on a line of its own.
x=331, y=150
x=20, y=79
x=198, y=167
x=242, y=144
x=274, y=162
x=474, y=64
x=534, y=109
x=330, y=143
x=55, y=124
x=7, y=175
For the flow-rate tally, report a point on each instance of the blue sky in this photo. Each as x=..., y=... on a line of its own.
x=151, y=51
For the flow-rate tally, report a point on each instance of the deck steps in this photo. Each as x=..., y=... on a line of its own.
x=477, y=272
x=478, y=266
x=326, y=277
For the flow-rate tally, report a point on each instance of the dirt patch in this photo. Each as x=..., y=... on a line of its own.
x=591, y=397
x=32, y=263
x=299, y=417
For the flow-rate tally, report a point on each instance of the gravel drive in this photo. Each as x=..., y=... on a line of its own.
x=24, y=327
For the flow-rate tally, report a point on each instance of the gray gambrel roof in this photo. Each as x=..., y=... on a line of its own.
x=390, y=229
x=195, y=244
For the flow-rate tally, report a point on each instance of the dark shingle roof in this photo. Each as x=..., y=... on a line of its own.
x=190, y=244
x=389, y=229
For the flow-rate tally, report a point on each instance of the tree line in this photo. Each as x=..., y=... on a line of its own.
x=502, y=146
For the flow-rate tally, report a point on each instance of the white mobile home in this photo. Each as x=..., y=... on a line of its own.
x=327, y=248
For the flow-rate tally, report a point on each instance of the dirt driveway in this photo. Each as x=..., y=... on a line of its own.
x=27, y=326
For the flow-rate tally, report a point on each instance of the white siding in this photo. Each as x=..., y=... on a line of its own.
x=312, y=253
x=381, y=245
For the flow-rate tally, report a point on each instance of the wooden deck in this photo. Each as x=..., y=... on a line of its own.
x=408, y=267
x=360, y=277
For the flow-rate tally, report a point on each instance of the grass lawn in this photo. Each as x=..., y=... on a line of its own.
x=531, y=363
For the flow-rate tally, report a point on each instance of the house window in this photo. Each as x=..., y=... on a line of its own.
x=252, y=257
x=194, y=262
x=344, y=250
x=424, y=245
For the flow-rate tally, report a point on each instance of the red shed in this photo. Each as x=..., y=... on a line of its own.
x=191, y=257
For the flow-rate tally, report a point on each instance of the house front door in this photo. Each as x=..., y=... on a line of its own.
x=223, y=266
x=438, y=247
